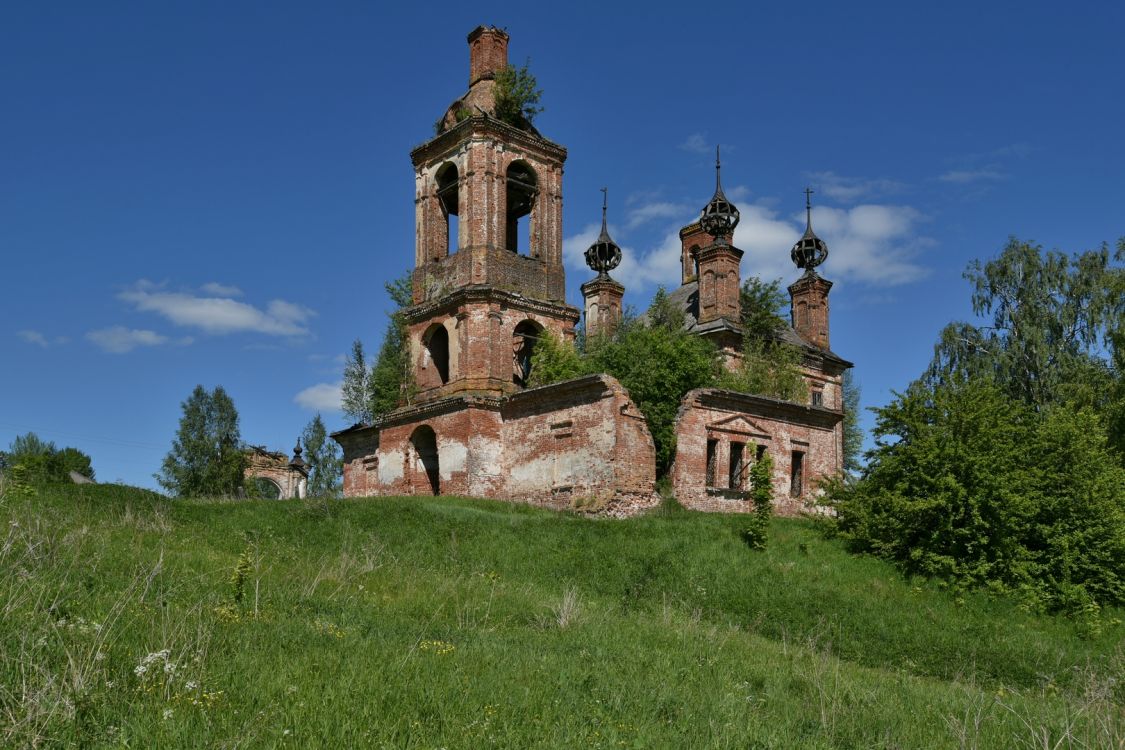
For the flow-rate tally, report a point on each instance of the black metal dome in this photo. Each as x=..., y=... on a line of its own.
x=604, y=255
x=720, y=216
x=810, y=251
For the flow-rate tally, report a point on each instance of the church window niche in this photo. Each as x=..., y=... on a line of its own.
x=797, y=474
x=523, y=346
x=737, y=469
x=448, y=193
x=522, y=189
x=802, y=315
x=712, y=461
x=817, y=397
x=436, y=342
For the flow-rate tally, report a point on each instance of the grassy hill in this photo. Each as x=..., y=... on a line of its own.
x=133, y=621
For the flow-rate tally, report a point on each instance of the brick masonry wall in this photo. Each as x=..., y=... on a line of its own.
x=482, y=150
x=580, y=444
x=781, y=427
x=481, y=330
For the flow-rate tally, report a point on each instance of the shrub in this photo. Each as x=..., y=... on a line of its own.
x=968, y=485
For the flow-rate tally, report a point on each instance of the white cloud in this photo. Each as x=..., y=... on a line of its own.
x=872, y=244
x=216, y=289
x=119, y=339
x=34, y=337
x=850, y=189
x=320, y=397
x=966, y=176
x=696, y=143
x=219, y=315
x=650, y=211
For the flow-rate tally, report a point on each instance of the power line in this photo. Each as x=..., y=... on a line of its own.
x=86, y=438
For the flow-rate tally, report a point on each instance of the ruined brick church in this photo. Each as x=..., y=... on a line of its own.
x=488, y=281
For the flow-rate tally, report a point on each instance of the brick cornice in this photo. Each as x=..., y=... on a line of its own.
x=481, y=293
x=764, y=406
x=440, y=145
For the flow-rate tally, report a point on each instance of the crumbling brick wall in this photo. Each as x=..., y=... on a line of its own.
x=580, y=443
x=712, y=420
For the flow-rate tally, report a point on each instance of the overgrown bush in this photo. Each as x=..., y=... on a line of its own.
x=756, y=531
x=969, y=485
x=517, y=96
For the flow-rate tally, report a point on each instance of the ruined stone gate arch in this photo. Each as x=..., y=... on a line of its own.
x=289, y=476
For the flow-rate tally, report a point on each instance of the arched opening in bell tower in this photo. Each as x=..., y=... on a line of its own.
x=523, y=346
x=448, y=193
x=436, y=341
x=522, y=189
x=426, y=475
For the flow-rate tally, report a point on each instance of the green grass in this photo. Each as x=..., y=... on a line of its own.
x=426, y=623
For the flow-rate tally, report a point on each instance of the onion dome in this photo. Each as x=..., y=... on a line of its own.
x=298, y=462
x=810, y=251
x=604, y=255
x=720, y=216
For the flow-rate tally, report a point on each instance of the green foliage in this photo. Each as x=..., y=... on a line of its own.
x=390, y=381
x=756, y=531
x=997, y=469
x=1051, y=316
x=554, y=360
x=657, y=366
x=206, y=458
x=326, y=464
x=762, y=308
x=40, y=462
x=853, y=433
x=663, y=313
x=969, y=485
x=517, y=96
x=769, y=366
x=353, y=391
x=413, y=617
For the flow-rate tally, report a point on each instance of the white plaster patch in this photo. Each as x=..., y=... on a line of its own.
x=488, y=456
x=453, y=456
x=391, y=467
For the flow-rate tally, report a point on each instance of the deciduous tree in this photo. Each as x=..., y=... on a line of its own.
x=325, y=462
x=206, y=458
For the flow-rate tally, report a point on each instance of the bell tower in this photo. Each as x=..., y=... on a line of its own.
x=488, y=272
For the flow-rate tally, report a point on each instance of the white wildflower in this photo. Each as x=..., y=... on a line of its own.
x=167, y=714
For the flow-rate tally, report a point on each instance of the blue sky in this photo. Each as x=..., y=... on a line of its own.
x=215, y=193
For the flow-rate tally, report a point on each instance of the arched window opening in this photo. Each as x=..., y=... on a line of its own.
x=695, y=260
x=802, y=315
x=448, y=193
x=436, y=342
x=523, y=346
x=267, y=489
x=522, y=188
x=424, y=442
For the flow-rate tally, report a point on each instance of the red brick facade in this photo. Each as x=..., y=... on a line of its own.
x=710, y=471
x=577, y=444
x=489, y=280
x=603, y=306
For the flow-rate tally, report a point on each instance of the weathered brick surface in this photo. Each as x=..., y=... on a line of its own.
x=275, y=467
x=719, y=283
x=576, y=444
x=481, y=327
x=781, y=427
x=809, y=308
x=603, y=306
x=488, y=52
x=482, y=149
x=472, y=429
